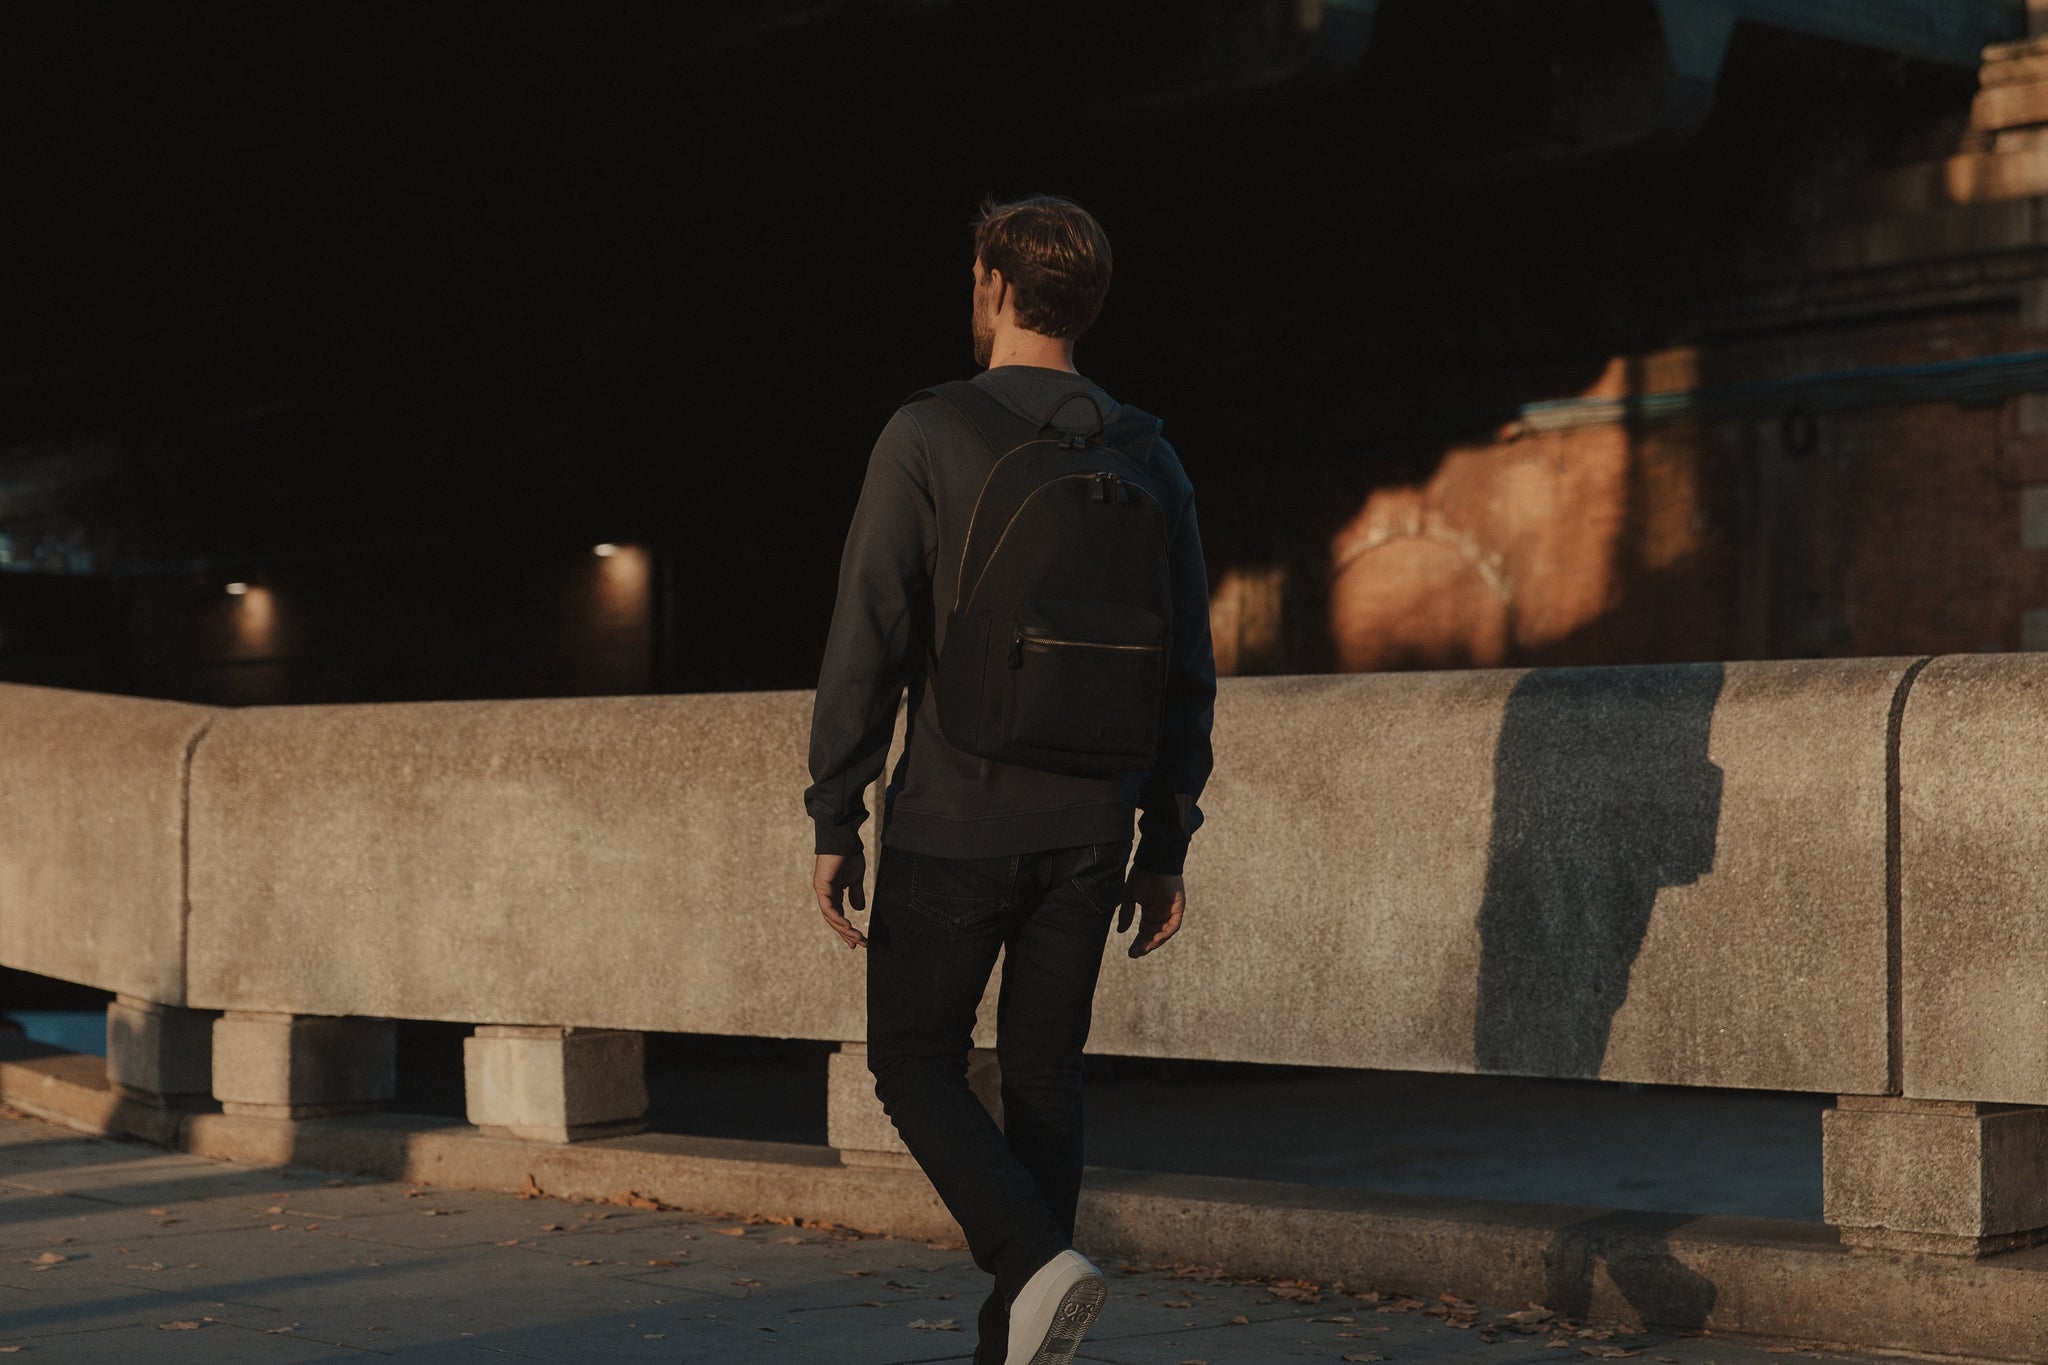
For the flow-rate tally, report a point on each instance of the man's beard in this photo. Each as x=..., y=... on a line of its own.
x=984, y=341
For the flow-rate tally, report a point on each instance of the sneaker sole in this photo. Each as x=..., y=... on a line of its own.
x=1071, y=1321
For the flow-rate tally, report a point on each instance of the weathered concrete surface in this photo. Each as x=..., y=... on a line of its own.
x=1943, y=1176
x=621, y=862
x=1765, y=1278
x=1662, y=874
x=1973, y=894
x=550, y=1084
x=92, y=793
x=1669, y=874
x=274, y=1065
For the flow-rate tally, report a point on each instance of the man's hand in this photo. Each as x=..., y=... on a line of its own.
x=839, y=873
x=1162, y=898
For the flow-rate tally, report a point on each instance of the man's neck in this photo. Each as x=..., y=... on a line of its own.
x=1031, y=348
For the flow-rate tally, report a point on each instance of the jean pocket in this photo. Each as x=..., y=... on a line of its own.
x=1102, y=880
x=963, y=893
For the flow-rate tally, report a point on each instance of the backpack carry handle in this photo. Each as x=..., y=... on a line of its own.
x=1101, y=417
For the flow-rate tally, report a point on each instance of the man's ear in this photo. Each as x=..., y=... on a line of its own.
x=1002, y=289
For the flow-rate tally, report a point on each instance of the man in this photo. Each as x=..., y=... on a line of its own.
x=977, y=853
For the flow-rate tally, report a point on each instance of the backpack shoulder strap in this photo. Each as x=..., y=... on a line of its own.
x=999, y=428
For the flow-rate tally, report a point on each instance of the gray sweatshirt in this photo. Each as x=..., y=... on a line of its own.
x=901, y=558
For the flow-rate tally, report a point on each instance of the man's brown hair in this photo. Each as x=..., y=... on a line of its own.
x=1055, y=257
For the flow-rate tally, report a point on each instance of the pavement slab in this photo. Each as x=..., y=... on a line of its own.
x=114, y=1250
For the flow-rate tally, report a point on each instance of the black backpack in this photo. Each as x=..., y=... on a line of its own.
x=1057, y=639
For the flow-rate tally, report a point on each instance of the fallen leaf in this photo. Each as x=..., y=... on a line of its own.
x=1175, y=1303
x=660, y=1262
x=552, y=1227
x=1363, y=1355
x=158, y=1212
x=275, y=1208
x=633, y=1199
x=585, y=1260
x=50, y=1258
x=437, y=1212
x=1609, y=1352
x=183, y=1325
x=1535, y=1312
x=1343, y=1318
x=940, y=1325
x=529, y=1188
x=732, y=1232
x=1240, y=1321
x=332, y=1184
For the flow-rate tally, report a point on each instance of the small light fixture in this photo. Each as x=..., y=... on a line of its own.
x=237, y=589
x=604, y=551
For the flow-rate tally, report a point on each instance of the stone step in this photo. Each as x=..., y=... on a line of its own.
x=2017, y=69
x=1970, y=178
x=1961, y=230
x=2010, y=106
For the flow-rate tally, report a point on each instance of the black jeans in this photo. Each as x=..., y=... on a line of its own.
x=932, y=942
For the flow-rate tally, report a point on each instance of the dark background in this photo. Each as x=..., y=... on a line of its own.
x=394, y=312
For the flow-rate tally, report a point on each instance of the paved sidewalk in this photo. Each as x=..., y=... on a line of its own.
x=112, y=1250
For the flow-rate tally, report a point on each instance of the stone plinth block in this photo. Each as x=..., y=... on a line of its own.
x=159, y=1054
x=550, y=1084
x=295, y=1066
x=858, y=1126
x=1944, y=1176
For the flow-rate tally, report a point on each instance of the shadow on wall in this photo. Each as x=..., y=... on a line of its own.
x=1603, y=794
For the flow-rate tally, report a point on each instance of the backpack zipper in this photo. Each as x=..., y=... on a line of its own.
x=975, y=511
x=1143, y=492
x=1018, y=639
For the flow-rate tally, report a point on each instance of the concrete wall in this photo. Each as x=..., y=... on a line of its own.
x=626, y=862
x=1673, y=874
x=92, y=814
x=1663, y=874
x=1973, y=894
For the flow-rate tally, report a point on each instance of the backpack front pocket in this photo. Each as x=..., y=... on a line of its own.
x=1085, y=680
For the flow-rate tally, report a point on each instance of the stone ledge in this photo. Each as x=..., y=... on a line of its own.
x=1730, y=1276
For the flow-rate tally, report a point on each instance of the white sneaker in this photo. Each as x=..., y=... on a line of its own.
x=1054, y=1309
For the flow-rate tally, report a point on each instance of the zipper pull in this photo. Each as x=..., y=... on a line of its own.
x=1104, y=480
x=1017, y=649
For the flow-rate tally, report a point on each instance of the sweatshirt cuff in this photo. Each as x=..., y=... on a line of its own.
x=833, y=838
x=1160, y=854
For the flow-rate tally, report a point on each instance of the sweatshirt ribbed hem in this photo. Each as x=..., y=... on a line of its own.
x=992, y=836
